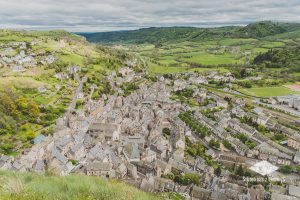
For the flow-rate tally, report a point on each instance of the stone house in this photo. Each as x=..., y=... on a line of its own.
x=294, y=142
x=65, y=144
x=121, y=170
x=198, y=193
x=239, y=147
x=165, y=167
x=148, y=155
x=240, y=127
x=211, y=153
x=77, y=151
x=109, y=132
x=180, y=144
x=266, y=152
x=262, y=119
x=100, y=169
x=74, y=69
x=131, y=170
x=148, y=168
x=132, y=152
x=163, y=185
x=297, y=157
x=42, y=89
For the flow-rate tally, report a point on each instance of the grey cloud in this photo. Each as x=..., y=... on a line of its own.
x=104, y=15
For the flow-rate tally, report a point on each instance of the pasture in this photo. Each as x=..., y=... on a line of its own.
x=178, y=57
x=268, y=91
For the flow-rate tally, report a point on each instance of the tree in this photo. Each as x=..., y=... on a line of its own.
x=33, y=110
x=166, y=131
x=214, y=143
x=227, y=144
x=240, y=171
x=242, y=137
x=286, y=169
x=218, y=171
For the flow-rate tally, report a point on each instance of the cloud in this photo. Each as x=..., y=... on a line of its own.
x=104, y=15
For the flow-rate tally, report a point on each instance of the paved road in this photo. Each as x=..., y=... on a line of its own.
x=72, y=105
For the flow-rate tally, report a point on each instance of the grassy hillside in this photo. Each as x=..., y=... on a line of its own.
x=25, y=112
x=27, y=186
x=169, y=34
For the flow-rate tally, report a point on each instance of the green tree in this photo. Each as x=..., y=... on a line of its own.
x=240, y=171
x=227, y=144
x=218, y=171
x=286, y=169
x=214, y=143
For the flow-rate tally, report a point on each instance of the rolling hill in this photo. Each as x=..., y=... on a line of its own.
x=169, y=34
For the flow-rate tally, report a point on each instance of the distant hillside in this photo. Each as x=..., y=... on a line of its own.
x=27, y=186
x=288, y=57
x=169, y=34
x=265, y=28
x=154, y=35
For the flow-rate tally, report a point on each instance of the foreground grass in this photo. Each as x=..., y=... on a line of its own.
x=268, y=91
x=28, y=186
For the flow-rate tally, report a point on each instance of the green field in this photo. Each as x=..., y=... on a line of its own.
x=28, y=186
x=156, y=69
x=268, y=91
x=211, y=59
x=72, y=58
x=176, y=57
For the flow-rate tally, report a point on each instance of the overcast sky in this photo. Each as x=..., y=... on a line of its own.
x=106, y=15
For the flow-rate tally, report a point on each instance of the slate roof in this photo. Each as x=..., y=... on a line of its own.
x=38, y=139
x=99, y=166
x=59, y=156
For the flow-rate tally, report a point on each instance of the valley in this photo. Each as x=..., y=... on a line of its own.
x=180, y=113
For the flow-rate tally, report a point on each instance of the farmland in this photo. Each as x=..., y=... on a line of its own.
x=182, y=56
x=268, y=91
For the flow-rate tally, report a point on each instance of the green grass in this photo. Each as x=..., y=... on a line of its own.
x=156, y=69
x=19, y=82
x=72, y=58
x=269, y=44
x=220, y=69
x=238, y=41
x=268, y=91
x=29, y=186
x=14, y=37
x=211, y=59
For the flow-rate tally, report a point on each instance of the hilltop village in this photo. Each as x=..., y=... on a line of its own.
x=171, y=133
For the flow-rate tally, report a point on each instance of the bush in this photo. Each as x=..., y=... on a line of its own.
x=227, y=144
x=286, y=169
x=214, y=143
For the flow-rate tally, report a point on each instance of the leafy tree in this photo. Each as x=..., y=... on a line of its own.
x=166, y=132
x=227, y=144
x=214, y=143
x=240, y=171
x=242, y=137
x=218, y=171
x=286, y=169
